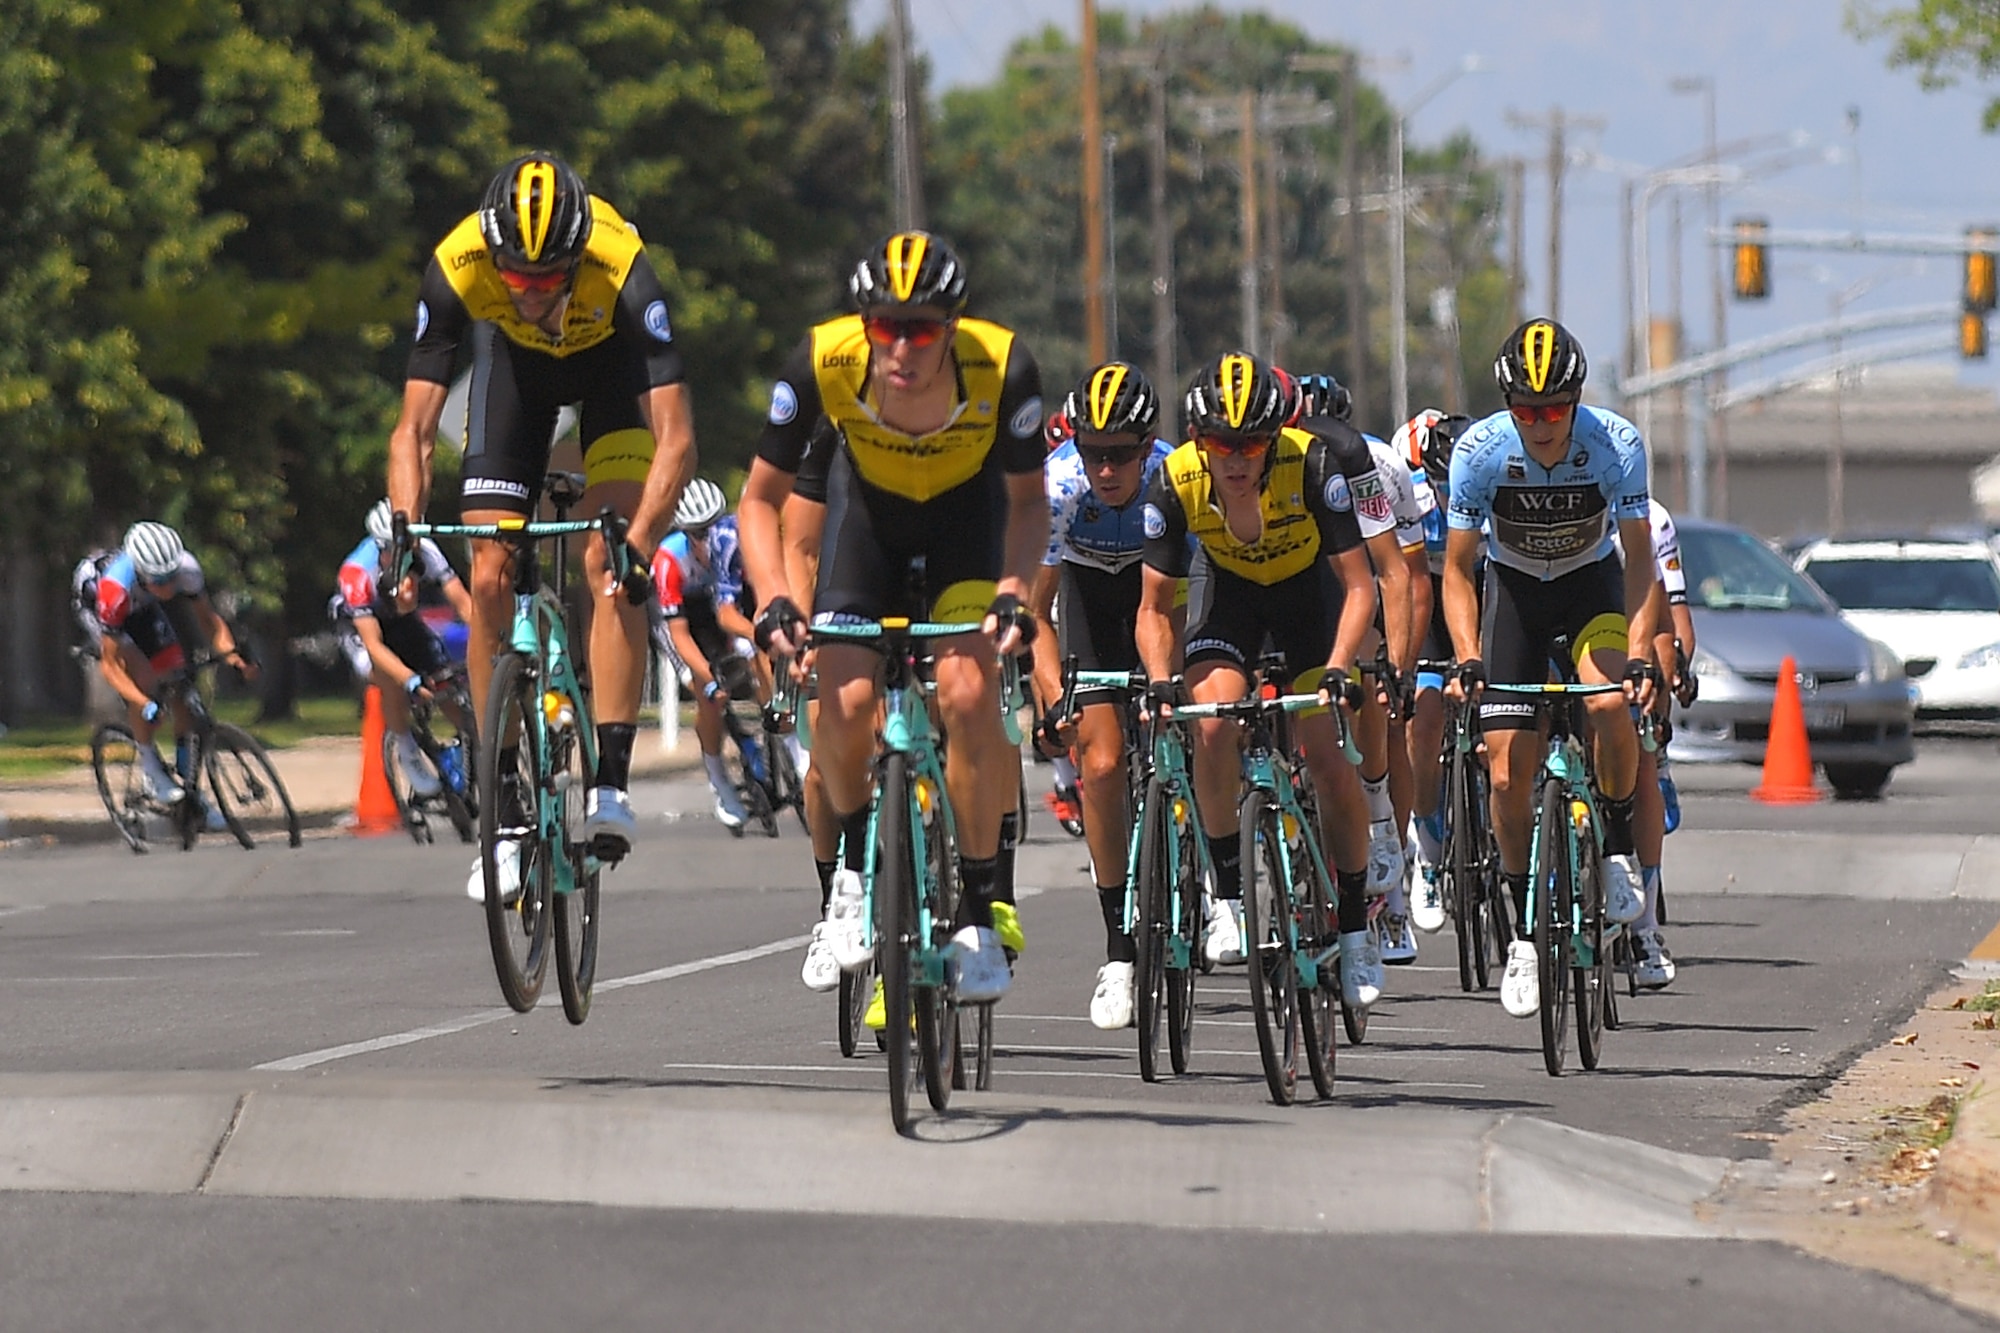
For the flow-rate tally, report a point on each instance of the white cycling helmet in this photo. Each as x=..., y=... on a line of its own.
x=382, y=522
x=155, y=549
x=701, y=504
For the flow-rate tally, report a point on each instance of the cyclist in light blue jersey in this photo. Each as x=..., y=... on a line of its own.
x=1556, y=488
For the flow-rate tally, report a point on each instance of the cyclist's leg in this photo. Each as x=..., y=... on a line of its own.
x=1515, y=636
x=1599, y=648
x=1097, y=631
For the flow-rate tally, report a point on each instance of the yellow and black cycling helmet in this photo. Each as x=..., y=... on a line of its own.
x=536, y=213
x=1114, y=399
x=1541, y=359
x=1236, y=396
x=911, y=268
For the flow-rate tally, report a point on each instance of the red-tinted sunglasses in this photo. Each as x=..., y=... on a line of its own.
x=534, y=282
x=884, y=330
x=1255, y=446
x=1549, y=412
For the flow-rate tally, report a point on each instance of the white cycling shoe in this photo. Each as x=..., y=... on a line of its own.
x=1520, y=984
x=607, y=816
x=161, y=785
x=1111, y=1002
x=821, y=970
x=1427, y=901
x=1385, y=857
x=1654, y=968
x=1624, y=902
x=844, y=919
x=1222, y=942
x=416, y=768
x=507, y=863
x=1360, y=970
x=1397, y=945
x=978, y=966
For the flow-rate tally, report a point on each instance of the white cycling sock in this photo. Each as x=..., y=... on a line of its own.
x=1432, y=849
x=718, y=778
x=1649, y=919
x=1377, y=791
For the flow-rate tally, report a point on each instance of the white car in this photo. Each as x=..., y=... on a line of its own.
x=1935, y=603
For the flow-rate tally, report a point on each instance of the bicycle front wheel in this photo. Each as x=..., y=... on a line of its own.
x=1187, y=927
x=407, y=807
x=1461, y=866
x=1552, y=891
x=1149, y=931
x=1267, y=947
x=246, y=786
x=1592, y=981
x=937, y=1028
x=576, y=910
x=895, y=926
x=517, y=922
x=1318, y=932
x=121, y=785
x=785, y=780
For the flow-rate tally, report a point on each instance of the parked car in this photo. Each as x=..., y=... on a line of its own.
x=1751, y=610
x=1935, y=602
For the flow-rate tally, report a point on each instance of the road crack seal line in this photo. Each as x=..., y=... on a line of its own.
x=1486, y=1172
x=228, y=1132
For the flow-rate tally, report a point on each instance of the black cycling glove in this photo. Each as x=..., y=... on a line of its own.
x=781, y=616
x=1008, y=610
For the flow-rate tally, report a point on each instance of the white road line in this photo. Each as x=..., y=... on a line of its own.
x=855, y=1066
x=161, y=957
x=85, y=979
x=328, y=932
x=24, y=907
x=450, y=1027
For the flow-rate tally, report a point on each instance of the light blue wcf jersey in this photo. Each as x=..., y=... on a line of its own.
x=1542, y=521
x=1085, y=531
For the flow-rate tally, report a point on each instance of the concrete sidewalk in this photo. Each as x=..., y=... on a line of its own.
x=323, y=776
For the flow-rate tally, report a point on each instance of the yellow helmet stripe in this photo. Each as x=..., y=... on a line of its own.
x=1105, y=386
x=1236, y=378
x=1538, y=351
x=535, y=206
x=905, y=259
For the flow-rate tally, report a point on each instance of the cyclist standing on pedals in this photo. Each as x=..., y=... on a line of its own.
x=387, y=642
x=1095, y=485
x=1555, y=487
x=940, y=418
x=138, y=604
x=1652, y=817
x=552, y=294
x=1279, y=560
x=697, y=576
x=1404, y=580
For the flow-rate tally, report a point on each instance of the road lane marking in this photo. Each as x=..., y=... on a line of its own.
x=1988, y=949
x=161, y=957
x=85, y=979
x=451, y=1027
x=326, y=932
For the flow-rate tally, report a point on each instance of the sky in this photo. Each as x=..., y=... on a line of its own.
x=1915, y=162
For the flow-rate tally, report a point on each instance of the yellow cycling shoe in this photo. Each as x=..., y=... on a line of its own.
x=1007, y=925
x=877, y=1015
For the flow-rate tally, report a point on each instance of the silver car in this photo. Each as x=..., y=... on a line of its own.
x=1751, y=610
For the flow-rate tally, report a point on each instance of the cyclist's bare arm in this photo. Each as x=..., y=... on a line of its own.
x=1461, y=598
x=689, y=653
x=1423, y=593
x=1393, y=586
x=1048, y=654
x=411, y=445
x=1154, y=628
x=221, y=639
x=1027, y=532
x=804, y=524
x=1357, y=609
x=765, y=492
x=111, y=663
x=668, y=411
x=380, y=654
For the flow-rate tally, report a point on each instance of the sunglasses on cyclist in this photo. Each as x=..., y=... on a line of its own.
x=1549, y=412
x=534, y=282
x=1255, y=446
x=884, y=330
x=1109, y=455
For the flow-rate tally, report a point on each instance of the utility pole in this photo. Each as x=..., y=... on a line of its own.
x=1093, y=191
x=905, y=173
x=1166, y=336
x=1517, y=273
x=1357, y=270
x=1110, y=160
x=1557, y=123
x=1276, y=325
x=1246, y=166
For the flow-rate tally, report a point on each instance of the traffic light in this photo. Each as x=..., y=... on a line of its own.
x=1979, y=279
x=1753, y=262
x=1972, y=336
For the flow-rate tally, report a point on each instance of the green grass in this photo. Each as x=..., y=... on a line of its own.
x=1988, y=1000
x=44, y=746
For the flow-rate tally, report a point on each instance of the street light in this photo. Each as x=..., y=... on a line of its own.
x=1399, y=339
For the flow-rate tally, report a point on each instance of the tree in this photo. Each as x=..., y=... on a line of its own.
x=1942, y=39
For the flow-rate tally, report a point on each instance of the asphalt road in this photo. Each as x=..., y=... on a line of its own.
x=361, y=965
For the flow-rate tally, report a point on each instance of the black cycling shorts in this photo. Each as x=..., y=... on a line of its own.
x=1231, y=619
x=1523, y=618
x=873, y=539
x=1097, y=616
x=515, y=396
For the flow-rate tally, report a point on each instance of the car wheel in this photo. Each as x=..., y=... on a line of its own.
x=1858, y=782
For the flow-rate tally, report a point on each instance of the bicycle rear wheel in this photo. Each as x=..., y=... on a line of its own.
x=895, y=924
x=517, y=928
x=1319, y=930
x=856, y=989
x=575, y=912
x=1461, y=869
x=121, y=784
x=1551, y=888
x=1267, y=948
x=937, y=892
x=1187, y=902
x=246, y=787
x=1592, y=983
x=785, y=781
x=1149, y=931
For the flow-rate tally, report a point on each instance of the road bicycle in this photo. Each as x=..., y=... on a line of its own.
x=1474, y=892
x=225, y=760
x=765, y=779
x=539, y=758
x=452, y=760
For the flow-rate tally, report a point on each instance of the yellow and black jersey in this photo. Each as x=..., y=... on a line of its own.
x=616, y=295
x=998, y=417
x=1310, y=496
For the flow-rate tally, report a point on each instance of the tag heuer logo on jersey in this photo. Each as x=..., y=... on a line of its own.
x=784, y=404
x=1155, y=522
x=656, y=322
x=1582, y=457
x=1336, y=494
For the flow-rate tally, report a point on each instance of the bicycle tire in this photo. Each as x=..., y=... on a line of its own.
x=1550, y=886
x=513, y=700
x=785, y=781
x=1591, y=985
x=121, y=784
x=245, y=785
x=938, y=1049
x=982, y=1080
x=407, y=807
x=895, y=919
x=1149, y=930
x=1462, y=872
x=1267, y=949
x=856, y=988
x=576, y=913
x=1181, y=981
x=1319, y=928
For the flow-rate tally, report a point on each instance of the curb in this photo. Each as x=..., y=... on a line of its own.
x=1966, y=1184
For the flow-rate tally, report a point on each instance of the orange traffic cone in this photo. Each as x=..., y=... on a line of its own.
x=1788, y=769
x=375, y=808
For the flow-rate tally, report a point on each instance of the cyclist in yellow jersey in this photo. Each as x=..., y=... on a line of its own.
x=549, y=294
x=940, y=462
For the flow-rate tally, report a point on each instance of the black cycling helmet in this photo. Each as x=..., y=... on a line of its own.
x=1324, y=396
x=1114, y=399
x=911, y=268
x=536, y=213
x=1438, y=442
x=1540, y=359
x=1237, y=396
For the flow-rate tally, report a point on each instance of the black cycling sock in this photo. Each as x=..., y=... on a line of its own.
x=1227, y=853
x=975, y=899
x=854, y=840
x=1118, y=946
x=1351, y=887
x=1517, y=886
x=825, y=869
x=1618, y=827
x=1003, y=879
x=614, y=754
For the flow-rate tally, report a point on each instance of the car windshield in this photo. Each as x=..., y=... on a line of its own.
x=1730, y=570
x=1909, y=585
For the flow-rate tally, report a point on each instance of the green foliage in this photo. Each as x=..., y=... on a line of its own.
x=1941, y=39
